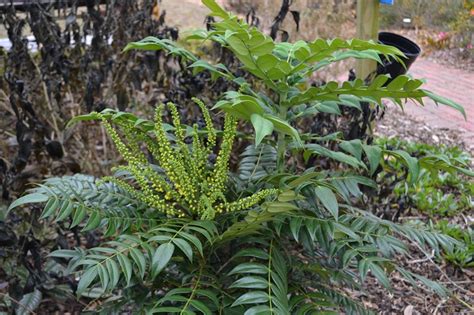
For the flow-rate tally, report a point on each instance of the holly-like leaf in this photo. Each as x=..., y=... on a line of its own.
x=263, y=127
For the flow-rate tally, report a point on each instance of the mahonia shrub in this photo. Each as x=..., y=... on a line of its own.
x=183, y=234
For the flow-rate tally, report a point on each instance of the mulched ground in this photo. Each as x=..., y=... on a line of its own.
x=397, y=123
x=460, y=58
x=405, y=299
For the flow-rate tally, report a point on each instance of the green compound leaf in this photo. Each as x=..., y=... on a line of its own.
x=161, y=258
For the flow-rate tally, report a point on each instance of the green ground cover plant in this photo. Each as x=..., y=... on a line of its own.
x=438, y=194
x=441, y=195
x=183, y=233
x=460, y=256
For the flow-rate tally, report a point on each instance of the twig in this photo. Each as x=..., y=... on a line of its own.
x=438, y=306
x=440, y=270
x=470, y=307
x=461, y=282
x=423, y=259
x=464, y=303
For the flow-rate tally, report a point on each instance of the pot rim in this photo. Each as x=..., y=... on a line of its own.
x=412, y=49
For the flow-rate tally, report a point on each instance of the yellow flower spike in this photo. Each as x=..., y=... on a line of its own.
x=158, y=183
x=122, y=184
x=211, y=132
x=121, y=147
x=169, y=161
x=250, y=201
x=179, y=132
x=199, y=157
x=222, y=163
x=133, y=141
x=187, y=181
x=180, y=137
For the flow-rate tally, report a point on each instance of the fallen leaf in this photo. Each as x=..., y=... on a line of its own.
x=408, y=310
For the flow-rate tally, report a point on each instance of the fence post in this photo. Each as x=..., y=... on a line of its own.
x=367, y=28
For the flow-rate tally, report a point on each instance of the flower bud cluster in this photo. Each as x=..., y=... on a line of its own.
x=185, y=182
x=248, y=202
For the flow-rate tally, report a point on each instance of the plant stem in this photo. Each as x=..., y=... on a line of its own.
x=269, y=279
x=281, y=144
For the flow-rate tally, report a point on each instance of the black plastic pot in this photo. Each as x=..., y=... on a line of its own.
x=408, y=47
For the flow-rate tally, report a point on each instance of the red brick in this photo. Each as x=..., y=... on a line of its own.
x=455, y=84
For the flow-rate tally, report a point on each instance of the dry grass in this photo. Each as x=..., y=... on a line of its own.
x=185, y=14
x=319, y=19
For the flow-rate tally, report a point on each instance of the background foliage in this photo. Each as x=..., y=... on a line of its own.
x=42, y=90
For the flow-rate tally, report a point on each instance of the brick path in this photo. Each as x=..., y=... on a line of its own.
x=455, y=84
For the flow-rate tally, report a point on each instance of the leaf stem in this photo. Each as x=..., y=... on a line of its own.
x=269, y=279
x=193, y=292
x=281, y=144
